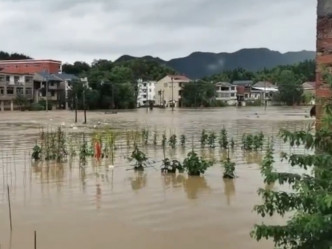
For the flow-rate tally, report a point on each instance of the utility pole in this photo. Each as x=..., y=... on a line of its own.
x=76, y=100
x=84, y=104
x=172, y=94
x=46, y=83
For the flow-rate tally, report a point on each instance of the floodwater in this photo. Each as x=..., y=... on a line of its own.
x=102, y=207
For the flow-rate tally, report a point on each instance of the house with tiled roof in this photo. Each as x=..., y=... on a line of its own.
x=168, y=90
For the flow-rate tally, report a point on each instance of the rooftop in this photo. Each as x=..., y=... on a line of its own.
x=265, y=84
x=224, y=84
x=242, y=82
x=28, y=61
x=178, y=77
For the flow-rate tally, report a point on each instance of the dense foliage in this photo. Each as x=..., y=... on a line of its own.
x=308, y=202
x=13, y=56
x=113, y=84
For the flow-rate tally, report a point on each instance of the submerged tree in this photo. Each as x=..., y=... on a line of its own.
x=309, y=201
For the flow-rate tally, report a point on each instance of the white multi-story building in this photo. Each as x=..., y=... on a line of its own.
x=226, y=92
x=146, y=92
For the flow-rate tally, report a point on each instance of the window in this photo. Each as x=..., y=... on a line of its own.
x=10, y=90
x=52, y=93
x=2, y=78
x=233, y=88
x=19, y=91
x=165, y=84
x=144, y=96
x=16, y=79
x=150, y=90
x=28, y=79
x=144, y=84
x=232, y=94
x=2, y=90
x=28, y=91
x=7, y=78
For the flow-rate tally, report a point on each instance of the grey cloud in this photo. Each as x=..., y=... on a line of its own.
x=89, y=29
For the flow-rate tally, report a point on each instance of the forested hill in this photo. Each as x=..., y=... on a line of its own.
x=202, y=64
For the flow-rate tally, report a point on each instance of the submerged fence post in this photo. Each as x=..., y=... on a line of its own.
x=10, y=209
x=35, y=239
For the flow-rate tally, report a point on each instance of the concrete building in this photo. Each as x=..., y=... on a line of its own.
x=226, y=92
x=169, y=89
x=13, y=85
x=263, y=90
x=30, y=66
x=145, y=92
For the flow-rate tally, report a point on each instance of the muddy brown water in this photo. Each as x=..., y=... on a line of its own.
x=102, y=207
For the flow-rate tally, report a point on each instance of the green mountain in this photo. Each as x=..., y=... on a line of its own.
x=201, y=64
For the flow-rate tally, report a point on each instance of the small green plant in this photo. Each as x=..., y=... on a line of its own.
x=247, y=141
x=85, y=151
x=36, y=152
x=232, y=143
x=145, y=136
x=253, y=141
x=229, y=168
x=171, y=166
x=212, y=139
x=223, y=139
x=195, y=165
x=140, y=159
x=172, y=141
x=183, y=140
x=204, y=138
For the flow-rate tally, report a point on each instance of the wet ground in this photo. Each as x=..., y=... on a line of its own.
x=102, y=207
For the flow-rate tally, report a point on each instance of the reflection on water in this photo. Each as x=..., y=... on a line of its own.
x=138, y=181
x=193, y=185
x=136, y=209
x=229, y=189
x=173, y=180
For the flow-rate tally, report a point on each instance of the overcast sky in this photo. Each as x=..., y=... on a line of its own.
x=84, y=30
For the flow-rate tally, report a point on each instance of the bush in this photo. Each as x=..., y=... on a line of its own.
x=43, y=104
x=36, y=107
x=256, y=102
x=195, y=165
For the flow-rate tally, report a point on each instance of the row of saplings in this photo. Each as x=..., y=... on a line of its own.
x=192, y=164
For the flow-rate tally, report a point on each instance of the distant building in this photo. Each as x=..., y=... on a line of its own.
x=309, y=89
x=169, y=90
x=13, y=85
x=226, y=92
x=145, y=92
x=243, y=89
x=264, y=90
x=30, y=66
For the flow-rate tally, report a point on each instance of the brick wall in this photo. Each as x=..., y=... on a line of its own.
x=324, y=54
x=30, y=67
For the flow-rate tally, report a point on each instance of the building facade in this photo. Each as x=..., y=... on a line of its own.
x=145, y=92
x=12, y=86
x=226, y=92
x=169, y=89
x=30, y=66
x=52, y=88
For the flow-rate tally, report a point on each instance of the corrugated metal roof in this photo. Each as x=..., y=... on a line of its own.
x=242, y=82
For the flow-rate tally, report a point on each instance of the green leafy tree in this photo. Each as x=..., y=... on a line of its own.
x=308, y=203
x=290, y=90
